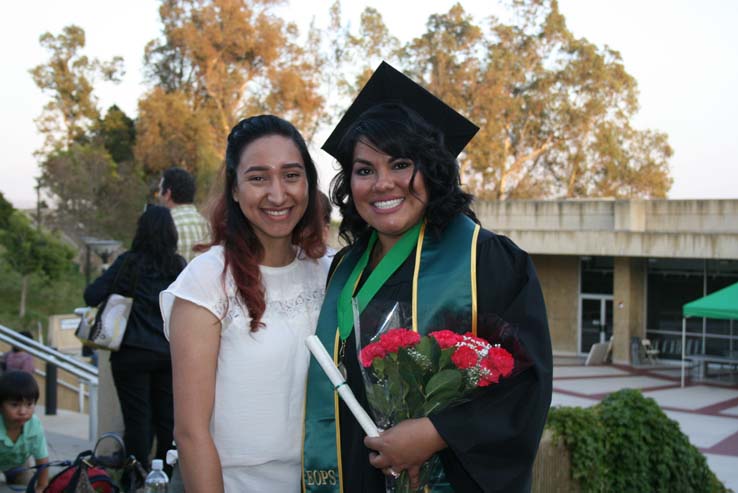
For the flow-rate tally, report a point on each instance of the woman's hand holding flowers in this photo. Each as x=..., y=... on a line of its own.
x=405, y=446
x=409, y=377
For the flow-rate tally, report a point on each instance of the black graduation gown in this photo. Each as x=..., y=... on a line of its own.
x=492, y=440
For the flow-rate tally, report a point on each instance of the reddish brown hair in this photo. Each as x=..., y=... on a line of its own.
x=242, y=249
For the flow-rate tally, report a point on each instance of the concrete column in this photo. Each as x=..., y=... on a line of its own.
x=109, y=417
x=629, y=279
x=559, y=276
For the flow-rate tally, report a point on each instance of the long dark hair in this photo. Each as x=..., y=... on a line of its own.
x=242, y=248
x=401, y=133
x=156, y=241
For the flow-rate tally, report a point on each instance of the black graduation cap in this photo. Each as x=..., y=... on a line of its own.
x=389, y=85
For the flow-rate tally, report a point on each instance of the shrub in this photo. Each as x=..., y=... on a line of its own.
x=627, y=444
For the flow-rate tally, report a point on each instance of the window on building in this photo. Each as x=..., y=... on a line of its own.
x=674, y=282
x=721, y=274
x=597, y=275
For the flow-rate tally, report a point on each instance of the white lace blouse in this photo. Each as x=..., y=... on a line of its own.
x=260, y=378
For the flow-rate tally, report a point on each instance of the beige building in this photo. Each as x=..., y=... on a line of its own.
x=625, y=268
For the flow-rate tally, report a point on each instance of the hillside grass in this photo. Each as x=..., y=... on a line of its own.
x=45, y=297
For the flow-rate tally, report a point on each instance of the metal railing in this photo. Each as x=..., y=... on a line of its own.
x=85, y=372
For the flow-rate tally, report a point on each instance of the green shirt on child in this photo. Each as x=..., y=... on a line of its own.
x=32, y=442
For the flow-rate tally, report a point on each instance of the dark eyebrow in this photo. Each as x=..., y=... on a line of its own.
x=363, y=161
x=258, y=167
x=391, y=161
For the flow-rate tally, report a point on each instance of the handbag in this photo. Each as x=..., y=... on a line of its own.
x=80, y=476
x=105, y=326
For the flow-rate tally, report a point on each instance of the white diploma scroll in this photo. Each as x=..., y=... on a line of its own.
x=339, y=383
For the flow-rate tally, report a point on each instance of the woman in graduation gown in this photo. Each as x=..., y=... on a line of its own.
x=414, y=239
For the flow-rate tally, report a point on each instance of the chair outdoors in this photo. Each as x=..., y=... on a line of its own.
x=651, y=352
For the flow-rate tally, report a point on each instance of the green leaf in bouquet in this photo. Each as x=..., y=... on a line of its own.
x=429, y=350
x=411, y=374
x=408, y=368
x=378, y=365
x=378, y=399
x=442, y=387
x=435, y=354
x=394, y=381
x=444, y=361
x=443, y=381
x=415, y=402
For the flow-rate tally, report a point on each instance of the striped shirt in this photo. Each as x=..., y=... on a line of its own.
x=192, y=229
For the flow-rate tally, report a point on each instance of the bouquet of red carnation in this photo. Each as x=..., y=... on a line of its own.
x=407, y=375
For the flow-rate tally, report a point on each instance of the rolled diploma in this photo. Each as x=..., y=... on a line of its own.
x=329, y=367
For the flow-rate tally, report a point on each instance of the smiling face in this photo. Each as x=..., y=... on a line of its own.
x=380, y=188
x=272, y=188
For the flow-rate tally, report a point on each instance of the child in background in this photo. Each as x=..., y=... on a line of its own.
x=21, y=433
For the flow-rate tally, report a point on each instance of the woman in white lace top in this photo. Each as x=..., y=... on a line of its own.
x=238, y=315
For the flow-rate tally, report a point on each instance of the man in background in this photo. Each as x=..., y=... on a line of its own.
x=177, y=193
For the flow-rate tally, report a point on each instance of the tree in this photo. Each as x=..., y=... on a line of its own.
x=94, y=195
x=171, y=133
x=68, y=77
x=217, y=62
x=117, y=133
x=87, y=167
x=6, y=209
x=554, y=110
x=232, y=58
x=350, y=58
x=30, y=252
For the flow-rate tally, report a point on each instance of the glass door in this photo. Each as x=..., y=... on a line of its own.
x=595, y=320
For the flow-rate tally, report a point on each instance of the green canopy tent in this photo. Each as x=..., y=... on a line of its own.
x=721, y=304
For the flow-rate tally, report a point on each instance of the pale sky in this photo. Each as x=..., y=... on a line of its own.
x=683, y=53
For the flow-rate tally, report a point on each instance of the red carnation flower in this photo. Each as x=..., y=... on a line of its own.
x=502, y=360
x=446, y=338
x=464, y=357
x=410, y=338
x=370, y=352
x=488, y=379
x=394, y=339
x=475, y=341
x=498, y=363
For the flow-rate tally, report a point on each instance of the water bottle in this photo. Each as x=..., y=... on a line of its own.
x=157, y=480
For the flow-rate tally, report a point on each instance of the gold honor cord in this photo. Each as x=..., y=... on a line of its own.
x=474, y=278
x=338, y=419
x=416, y=273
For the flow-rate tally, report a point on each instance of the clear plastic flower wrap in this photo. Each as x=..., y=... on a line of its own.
x=407, y=375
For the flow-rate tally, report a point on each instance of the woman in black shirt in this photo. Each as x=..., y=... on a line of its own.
x=142, y=369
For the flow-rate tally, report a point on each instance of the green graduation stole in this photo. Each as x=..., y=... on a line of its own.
x=444, y=281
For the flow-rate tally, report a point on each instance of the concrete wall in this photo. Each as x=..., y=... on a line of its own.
x=707, y=216
x=629, y=284
x=61, y=333
x=546, y=215
x=659, y=228
x=559, y=276
x=625, y=244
